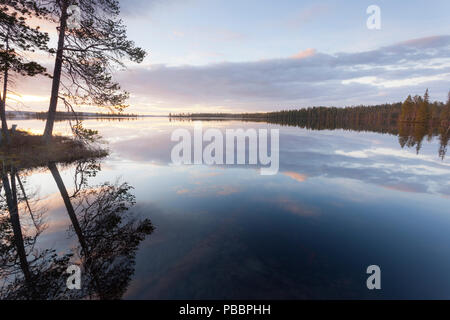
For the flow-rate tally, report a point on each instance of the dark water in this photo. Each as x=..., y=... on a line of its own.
x=342, y=201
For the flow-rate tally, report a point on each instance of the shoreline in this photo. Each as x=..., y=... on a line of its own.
x=28, y=151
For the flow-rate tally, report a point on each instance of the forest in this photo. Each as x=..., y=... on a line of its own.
x=413, y=110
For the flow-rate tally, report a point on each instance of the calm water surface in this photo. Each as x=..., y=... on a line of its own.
x=342, y=201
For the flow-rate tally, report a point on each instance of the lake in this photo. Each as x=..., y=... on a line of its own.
x=342, y=201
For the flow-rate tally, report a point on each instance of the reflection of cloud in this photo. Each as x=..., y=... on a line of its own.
x=189, y=259
x=296, y=176
x=320, y=154
x=227, y=190
x=398, y=153
x=323, y=155
x=354, y=154
x=201, y=174
x=155, y=148
x=295, y=207
x=205, y=190
x=414, y=188
x=445, y=190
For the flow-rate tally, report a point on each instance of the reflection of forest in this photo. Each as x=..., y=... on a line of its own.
x=410, y=134
x=108, y=237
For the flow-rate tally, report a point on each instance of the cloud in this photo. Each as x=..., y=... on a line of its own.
x=135, y=8
x=305, y=53
x=433, y=41
x=313, y=78
x=308, y=78
x=309, y=14
x=178, y=34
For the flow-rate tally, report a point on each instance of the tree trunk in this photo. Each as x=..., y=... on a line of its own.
x=56, y=74
x=11, y=201
x=63, y=191
x=27, y=202
x=5, y=132
x=75, y=224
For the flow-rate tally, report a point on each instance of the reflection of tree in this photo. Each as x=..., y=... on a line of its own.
x=420, y=130
x=412, y=135
x=107, y=233
x=381, y=119
x=83, y=171
x=409, y=134
x=12, y=204
x=443, y=138
x=26, y=273
x=111, y=238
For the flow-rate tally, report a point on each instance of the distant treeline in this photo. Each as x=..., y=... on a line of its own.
x=62, y=116
x=413, y=110
x=71, y=115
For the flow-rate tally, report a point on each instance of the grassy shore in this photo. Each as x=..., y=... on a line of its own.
x=28, y=151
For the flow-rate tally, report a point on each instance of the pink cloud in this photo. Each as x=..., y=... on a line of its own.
x=304, y=54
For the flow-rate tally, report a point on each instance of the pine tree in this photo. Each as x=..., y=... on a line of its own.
x=407, y=109
x=87, y=55
x=17, y=38
x=423, y=112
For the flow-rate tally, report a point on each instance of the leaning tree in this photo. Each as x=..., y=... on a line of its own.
x=17, y=38
x=92, y=45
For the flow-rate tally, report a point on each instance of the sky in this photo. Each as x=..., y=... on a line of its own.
x=248, y=55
